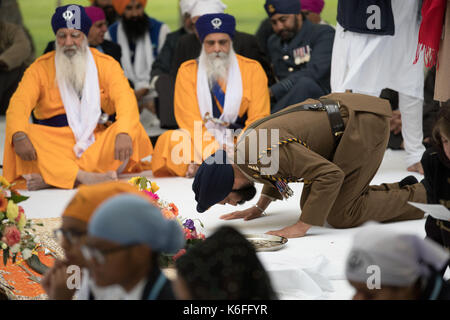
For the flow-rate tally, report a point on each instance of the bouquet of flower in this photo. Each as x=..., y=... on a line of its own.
x=170, y=211
x=15, y=237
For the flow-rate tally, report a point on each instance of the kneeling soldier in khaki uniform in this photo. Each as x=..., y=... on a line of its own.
x=334, y=145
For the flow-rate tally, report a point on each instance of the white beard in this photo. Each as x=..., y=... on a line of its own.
x=71, y=67
x=217, y=65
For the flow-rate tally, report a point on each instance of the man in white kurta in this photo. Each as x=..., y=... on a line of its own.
x=368, y=63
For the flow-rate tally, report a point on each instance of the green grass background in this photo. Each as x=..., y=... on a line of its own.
x=249, y=13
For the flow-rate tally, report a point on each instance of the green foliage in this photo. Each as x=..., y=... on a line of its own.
x=5, y=256
x=18, y=197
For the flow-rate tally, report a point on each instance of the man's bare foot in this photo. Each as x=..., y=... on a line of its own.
x=35, y=182
x=84, y=177
x=295, y=231
x=192, y=170
x=417, y=167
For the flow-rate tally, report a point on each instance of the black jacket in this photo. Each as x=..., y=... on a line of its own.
x=437, y=175
x=320, y=39
x=163, y=63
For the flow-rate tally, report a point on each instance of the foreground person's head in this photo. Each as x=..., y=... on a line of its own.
x=223, y=267
x=125, y=237
x=387, y=265
x=78, y=212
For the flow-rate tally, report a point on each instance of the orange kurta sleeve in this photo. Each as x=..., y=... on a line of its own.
x=186, y=107
x=118, y=89
x=24, y=100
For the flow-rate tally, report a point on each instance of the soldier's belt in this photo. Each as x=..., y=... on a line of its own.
x=332, y=108
x=334, y=115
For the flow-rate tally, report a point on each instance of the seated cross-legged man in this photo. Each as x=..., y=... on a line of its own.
x=215, y=96
x=70, y=92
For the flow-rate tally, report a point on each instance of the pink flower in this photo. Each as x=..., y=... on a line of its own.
x=152, y=195
x=11, y=236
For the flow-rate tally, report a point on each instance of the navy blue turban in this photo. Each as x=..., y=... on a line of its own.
x=71, y=16
x=214, y=181
x=282, y=7
x=215, y=23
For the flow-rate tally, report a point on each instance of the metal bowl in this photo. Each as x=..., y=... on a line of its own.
x=266, y=242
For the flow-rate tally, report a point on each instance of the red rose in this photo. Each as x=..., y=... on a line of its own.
x=11, y=235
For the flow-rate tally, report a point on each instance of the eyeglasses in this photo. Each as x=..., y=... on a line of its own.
x=98, y=255
x=72, y=236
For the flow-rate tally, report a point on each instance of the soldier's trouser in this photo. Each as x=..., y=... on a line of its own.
x=358, y=202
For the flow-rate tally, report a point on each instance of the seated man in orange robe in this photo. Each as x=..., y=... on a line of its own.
x=216, y=96
x=71, y=92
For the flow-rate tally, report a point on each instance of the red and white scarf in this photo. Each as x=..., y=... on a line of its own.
x=430, y=32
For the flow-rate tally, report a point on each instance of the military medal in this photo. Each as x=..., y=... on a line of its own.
x=307, y=54
x=297, y=56
x=302, y=55
x=284, y=189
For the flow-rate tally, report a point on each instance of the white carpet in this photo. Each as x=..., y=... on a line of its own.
x=307, y=268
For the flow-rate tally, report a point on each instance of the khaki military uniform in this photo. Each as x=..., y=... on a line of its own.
x=336, y=174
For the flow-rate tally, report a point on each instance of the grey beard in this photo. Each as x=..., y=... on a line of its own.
x=217, y=66
x=71, y=66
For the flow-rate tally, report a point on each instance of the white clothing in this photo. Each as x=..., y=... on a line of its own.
x=233, y=98
x=366, y=63
x=370, y=63
x=83, y=115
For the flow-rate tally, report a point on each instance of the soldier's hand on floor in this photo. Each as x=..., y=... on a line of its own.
x=23, y=147
x=123, y=148
x=248, y=214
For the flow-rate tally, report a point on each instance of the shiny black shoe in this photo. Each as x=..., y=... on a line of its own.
x=408, y=181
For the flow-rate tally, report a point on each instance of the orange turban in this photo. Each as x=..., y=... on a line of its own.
x=89, y=197
x=119, y=5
